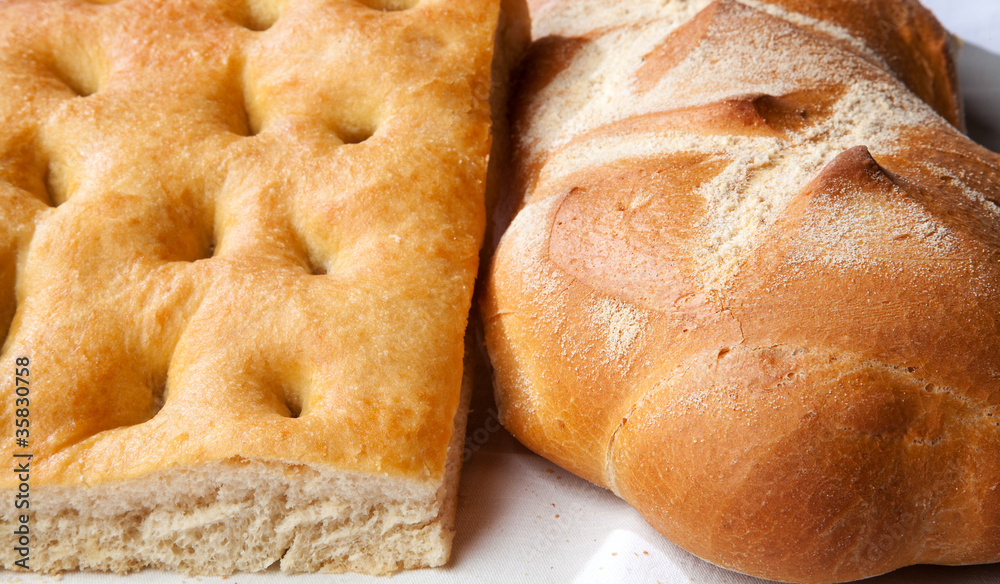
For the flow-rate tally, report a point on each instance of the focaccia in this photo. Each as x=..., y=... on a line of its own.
x=238, y=241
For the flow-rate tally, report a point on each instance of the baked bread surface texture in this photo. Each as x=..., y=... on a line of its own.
x=238, y=242
x=751, y=284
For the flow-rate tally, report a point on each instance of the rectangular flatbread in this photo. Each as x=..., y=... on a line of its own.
x=238, y=242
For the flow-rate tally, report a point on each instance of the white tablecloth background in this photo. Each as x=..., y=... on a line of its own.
x=522, y=519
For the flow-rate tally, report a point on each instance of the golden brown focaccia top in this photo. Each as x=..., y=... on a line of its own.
x=239, y=228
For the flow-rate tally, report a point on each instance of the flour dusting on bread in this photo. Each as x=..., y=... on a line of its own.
x=754, y=248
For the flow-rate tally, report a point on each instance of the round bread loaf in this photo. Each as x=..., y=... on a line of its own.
x=751, y=281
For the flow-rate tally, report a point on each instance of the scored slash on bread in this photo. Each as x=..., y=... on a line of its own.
x=238, y=243
x=752, y=284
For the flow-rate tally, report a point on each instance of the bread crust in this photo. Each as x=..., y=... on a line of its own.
x=753, y=285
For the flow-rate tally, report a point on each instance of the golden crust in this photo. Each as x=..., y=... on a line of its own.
x=754, y=283
x=240, y=229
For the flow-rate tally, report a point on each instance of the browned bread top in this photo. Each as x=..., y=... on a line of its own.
x=240, y=228
x=754, y=282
